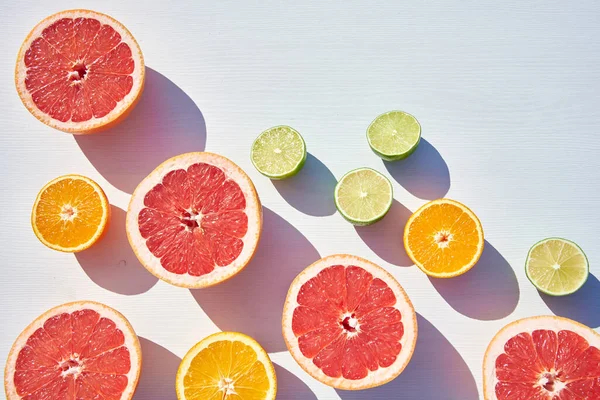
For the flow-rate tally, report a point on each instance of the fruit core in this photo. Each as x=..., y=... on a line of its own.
x=443, y=239
x=71, y=366
x=350, y=323
x=78, y=72
x=68, y=213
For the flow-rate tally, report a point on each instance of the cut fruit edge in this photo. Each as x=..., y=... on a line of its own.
x=541, y=242
x=388, y=156
x=467, y=266
x=253, y=210
x=131, y=343
x=261, y=355
x=378, y=377
x=296, y=167
x=530, y=324
x=123, y=107
x=101, y=228
x=364, y=221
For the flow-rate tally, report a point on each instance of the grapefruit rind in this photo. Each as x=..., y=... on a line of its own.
x=219, y=274
x=467, y=266
x=549, y=322
x=123, y=108
x=131, y=342
x=261, y=355
x=101, y=228
x=409, y=320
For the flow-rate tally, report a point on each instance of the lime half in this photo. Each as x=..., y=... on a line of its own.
x=363, y=196
x=278, y=152
x=556, y=266
x=394, y=135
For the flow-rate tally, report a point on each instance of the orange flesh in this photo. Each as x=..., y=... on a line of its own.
x=444, y=238
x=69, y=213
x=226, y=370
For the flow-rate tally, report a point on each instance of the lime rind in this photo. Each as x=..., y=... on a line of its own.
x=394, y=135
x=384, y=206
x=279, y=152
x=544, y=289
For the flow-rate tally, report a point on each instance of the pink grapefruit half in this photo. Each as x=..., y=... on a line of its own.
x=543, y=358
x=349, y=323
x=79, y=71
x=195, y=220
x=81, y=350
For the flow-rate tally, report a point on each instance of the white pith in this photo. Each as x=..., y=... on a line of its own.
x=528, y=325
x=374, y=378
x=253, y=210
x=93, y=123
x=131, y=342
x=261, y=354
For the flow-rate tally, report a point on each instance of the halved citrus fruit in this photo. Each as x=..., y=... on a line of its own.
x=349, y=323
x=226, y=366
x=543, y=358
x=70, y=213
x=444, y=238
x=80, y=350
x=195, y=220
x=79, y=71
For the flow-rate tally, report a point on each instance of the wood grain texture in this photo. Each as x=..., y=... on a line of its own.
x=507, y=94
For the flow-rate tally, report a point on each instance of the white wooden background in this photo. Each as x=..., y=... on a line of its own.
x=508, y=96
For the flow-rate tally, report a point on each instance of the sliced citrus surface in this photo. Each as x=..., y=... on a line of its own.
x=363, y=196
x=394, y=135
x=543, y=358
x=278, y=152
x=226, y=366
x=70, y=213
x=195, y=220
x=444, y=238
x=79, y=71
x=349, y=323
x=557, y=267
x=81, y=350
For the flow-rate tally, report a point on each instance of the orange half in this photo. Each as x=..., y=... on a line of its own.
x=444, y=238
x=70, y=213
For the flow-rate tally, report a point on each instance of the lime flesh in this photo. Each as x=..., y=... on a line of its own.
x=394, y=135
x=557, y=267
x=278, y=152
x=363, y=196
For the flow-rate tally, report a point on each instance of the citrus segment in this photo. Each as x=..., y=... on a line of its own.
x=279, y=152
x=79, y=350
x=349, y=323
x=226, y=366
x=79, y=71
x=394, y=135
x=363, y=196
x=543, y=358
x=444, y=238
x=557, y=267
x=70, y=213
x=195, y=220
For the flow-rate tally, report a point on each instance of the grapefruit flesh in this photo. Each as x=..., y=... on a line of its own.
x=82, y=350
x=195, y=220
x=349, y=323
x=79, y=71
x=543, y=358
